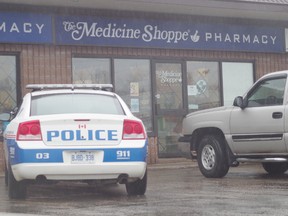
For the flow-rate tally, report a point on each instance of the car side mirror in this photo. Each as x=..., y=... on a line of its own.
x=4, y=116
x=4, y=121
x=240, y=102
x=13, y=113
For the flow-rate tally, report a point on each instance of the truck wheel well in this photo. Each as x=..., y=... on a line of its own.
x=198, y=135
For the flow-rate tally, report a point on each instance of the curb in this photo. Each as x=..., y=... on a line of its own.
x=173, y=163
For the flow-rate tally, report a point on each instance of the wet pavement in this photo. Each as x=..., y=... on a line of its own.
x=182, y=190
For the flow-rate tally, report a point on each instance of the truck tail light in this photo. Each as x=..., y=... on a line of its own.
x=29, y=131
x=133, y=130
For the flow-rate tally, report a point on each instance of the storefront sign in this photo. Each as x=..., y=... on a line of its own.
x=25, y=28
x=142, y=33
x=167, y=34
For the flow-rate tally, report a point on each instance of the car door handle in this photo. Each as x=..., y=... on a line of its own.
x=277, y=115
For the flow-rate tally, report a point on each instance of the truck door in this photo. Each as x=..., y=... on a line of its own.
x=259, y=128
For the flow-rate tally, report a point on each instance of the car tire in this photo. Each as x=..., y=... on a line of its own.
x=275, y=168
x=16, y=189
x=211, y=157
x=138, y=187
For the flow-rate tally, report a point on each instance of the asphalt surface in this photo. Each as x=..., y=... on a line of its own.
x=175, y=187
x=162, y=164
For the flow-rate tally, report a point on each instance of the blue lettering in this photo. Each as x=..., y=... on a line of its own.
x=98, y=135
x=52, y=134
x=67, y=135
x=112, y=135
x=90, y=135
x=79, y=135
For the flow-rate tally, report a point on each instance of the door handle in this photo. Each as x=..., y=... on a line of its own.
x=277, y=115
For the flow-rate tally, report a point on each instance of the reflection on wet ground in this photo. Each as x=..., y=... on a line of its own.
x=246, y=190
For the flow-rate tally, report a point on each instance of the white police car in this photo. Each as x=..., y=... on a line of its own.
x=74, y=132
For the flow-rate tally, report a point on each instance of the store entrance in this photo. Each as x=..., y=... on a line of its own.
x=169, y=107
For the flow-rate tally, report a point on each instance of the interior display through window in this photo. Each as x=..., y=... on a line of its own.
x=133, y=84
x=203, y=85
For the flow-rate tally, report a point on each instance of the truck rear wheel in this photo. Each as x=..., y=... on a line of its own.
x=275, y=168
x=211, y=157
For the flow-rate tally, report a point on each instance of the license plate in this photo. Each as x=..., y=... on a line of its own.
x=83, y=157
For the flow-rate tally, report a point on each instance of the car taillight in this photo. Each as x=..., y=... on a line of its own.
x=133, y=130
x=29, y=131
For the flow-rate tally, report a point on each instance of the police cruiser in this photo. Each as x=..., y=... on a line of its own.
x=74, y=132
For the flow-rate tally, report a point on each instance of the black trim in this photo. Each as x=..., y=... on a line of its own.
x=257, y=137
x=185, y=138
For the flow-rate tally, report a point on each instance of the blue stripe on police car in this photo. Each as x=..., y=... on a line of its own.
x=56, y=155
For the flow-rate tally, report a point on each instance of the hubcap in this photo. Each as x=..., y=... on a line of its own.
x=208, y=157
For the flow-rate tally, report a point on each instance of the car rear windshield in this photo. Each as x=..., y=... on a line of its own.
x=75, y=103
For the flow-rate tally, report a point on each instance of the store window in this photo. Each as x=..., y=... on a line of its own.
x=203, y=85
x=8, y=86
x=237, y=79
x=91, y=70
x=132, y=81
x=133, y=84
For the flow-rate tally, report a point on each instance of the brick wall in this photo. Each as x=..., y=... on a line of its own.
x=53, y=64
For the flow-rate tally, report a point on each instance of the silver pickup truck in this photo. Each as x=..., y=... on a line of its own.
x=254, y=129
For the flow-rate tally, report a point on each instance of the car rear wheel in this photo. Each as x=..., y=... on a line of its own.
x=275, y=168
x=138, y=187
x=211, y=157
x=16, y=190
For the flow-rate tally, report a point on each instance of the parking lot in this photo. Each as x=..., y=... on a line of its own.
x=246, y=190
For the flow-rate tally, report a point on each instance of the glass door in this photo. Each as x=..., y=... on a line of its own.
x=169, y=107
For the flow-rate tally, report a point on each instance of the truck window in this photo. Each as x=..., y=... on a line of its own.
x=268, y=93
